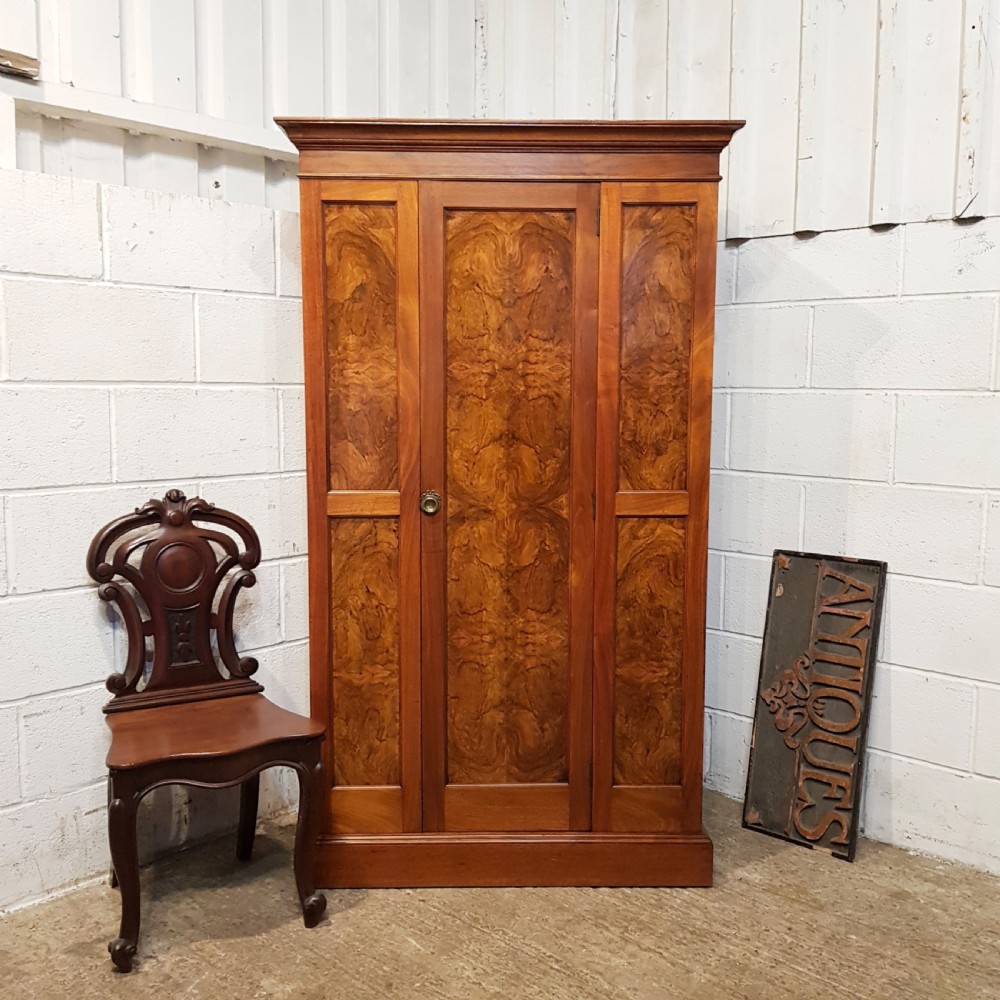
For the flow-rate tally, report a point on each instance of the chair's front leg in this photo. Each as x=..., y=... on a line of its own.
x=310, y=774
x=249, y=794
x=122, y=806
x=114, y=878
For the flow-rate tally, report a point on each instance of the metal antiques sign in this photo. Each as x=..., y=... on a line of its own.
x=811, y=719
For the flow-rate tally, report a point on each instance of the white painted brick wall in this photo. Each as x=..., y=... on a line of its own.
x=64, y=239
x=249, y=340
x=899, y=343
x=928, y=449
x=864, y=420
x=932, y=533
x=778, y=433
x=142, y=346
x=154, y=340
x=64, y=332
x=167, y=239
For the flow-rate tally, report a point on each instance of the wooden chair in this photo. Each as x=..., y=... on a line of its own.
x=183, y=719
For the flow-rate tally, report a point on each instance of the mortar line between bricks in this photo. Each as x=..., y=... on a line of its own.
x=974, y=729
x=884, y=298
x=4, y=347
x=727, y=428
x=158, y=482
x=44, y=696
x=812, y=391
x=983, y=539
x=79, y=588
x=271, y=296
x=98, y=685
x=792, y=477
x=893, y=434
x=881, y=662
x=958, y=679
x=785, y=302
x=722, y=591
x=939, y=580
x=729, y=715
x=957, y=772
x=810, y=327
x=901, y=268
x=196, y=336
x=723, y=633
x=6, y=537
x=112, y=437
x=102, y=232
x=802, y=518
x=49, y=894
x=994, y=353
x=281, y=428
x=54, y=797
x=139, y=286
x=146, y=386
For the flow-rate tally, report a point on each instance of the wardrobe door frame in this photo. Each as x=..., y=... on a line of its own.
x=364, y=808
x=540, y=806
x=666, y=808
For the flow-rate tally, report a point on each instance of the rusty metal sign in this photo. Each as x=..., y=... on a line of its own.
x=813, y=697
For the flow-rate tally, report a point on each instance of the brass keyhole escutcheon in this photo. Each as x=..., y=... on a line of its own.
x=430, y=502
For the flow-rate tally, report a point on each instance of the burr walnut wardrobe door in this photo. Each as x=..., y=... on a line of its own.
x=508, y=354
x=363, y=441
x=653, y=430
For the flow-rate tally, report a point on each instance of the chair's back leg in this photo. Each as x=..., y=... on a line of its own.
x=249, y=794
x=124, y=795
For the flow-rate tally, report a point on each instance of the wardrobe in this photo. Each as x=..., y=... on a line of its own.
x=508, y=357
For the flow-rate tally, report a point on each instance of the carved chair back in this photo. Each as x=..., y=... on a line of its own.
x=163, y=569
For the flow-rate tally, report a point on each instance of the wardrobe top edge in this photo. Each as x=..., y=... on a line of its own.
x=479, y=133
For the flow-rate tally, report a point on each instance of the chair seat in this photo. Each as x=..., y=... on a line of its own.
x=212, y=728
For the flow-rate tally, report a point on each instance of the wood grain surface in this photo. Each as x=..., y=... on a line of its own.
x=361, y=289
x=364, y=600
x=649, y=637
x=509, y=275
x=657, y=294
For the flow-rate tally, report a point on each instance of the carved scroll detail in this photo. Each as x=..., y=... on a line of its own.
x=160, y=560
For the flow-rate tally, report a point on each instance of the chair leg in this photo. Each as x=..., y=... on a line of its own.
x=249, y=793
x=125, y=859
x=306, y=831
x=113, y=878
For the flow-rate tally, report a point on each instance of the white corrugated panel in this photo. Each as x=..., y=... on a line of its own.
x=836, y=114
x=161, y=164
x=642, y=59
x=90, y=45
x=977, y=184
x=293, y=58
x=916, y=125
x=159, y=53
x=762, y=164
x=19, y=27
x=859, y=111
x=698, y=71
x=585, y=47
x=453, y=59
x=530, y=59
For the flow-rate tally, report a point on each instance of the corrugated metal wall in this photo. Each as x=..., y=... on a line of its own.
x=861, y=112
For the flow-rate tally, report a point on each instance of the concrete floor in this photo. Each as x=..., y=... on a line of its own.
x=782, y=922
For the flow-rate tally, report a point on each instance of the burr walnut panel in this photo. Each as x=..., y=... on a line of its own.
x=364, y=603
x=360, y=290
x=649, y=637
x=509, y=336
x=657, y=299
